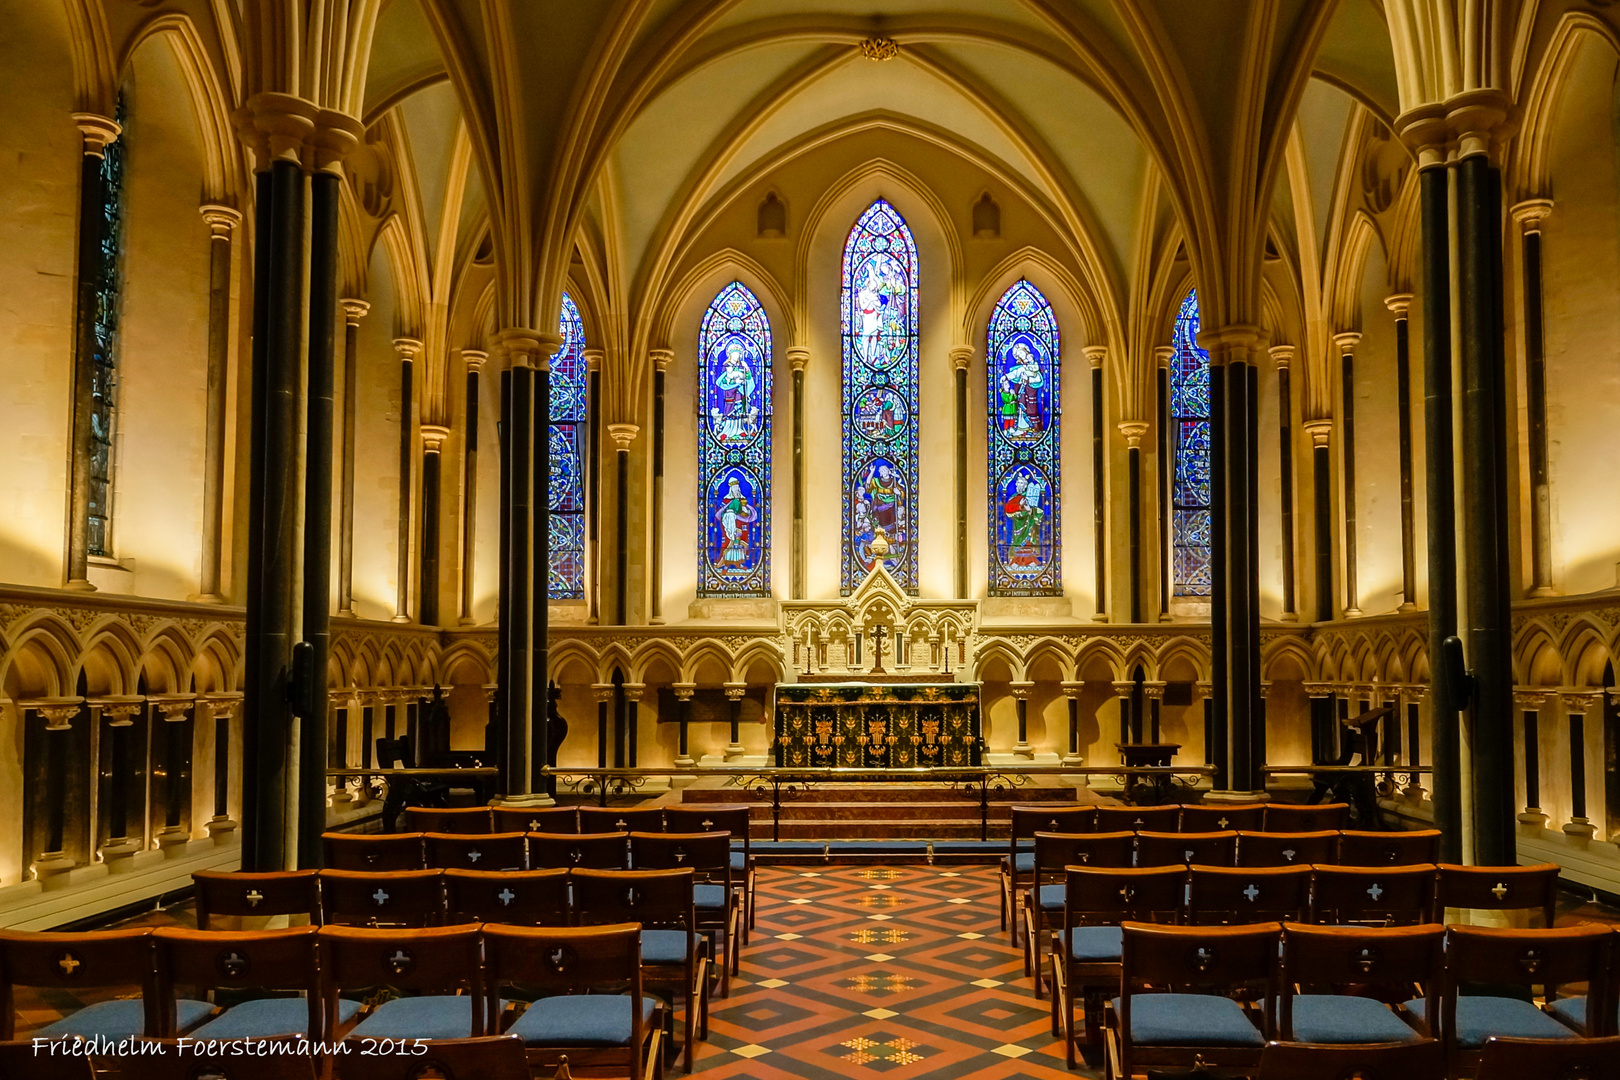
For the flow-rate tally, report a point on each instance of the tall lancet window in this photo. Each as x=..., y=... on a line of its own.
x=565, y=573
x=880, y=398
x=1190, y=429
x=1021, y=372
x=106, y=273
x=734, y=445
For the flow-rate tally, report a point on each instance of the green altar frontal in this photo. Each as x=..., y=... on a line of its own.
x=877, y=726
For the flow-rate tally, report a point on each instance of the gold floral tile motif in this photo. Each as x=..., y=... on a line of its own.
x=890, y=1051
x=886, y=935
x=880, y=875
x=881, y=900
x=878, y=983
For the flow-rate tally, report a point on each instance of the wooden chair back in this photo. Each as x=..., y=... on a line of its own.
x=77, y=961
x=1373, y=895
x=1550, y=1059
x=522, y=898
x=373, y=853
x=461, y=819
x=730, y=818
x=546, y=819
x=1026, y=821
x=605, y=819
x=171, y=1059
x=1501, y=888
x=400, y=898
x=1202, y=817
x=431, y=960
x=1225, y=895
x=1054, y=851
x=708, y=854
x=489, y=851
x=579, y=851
x=546, y=962
x=21, y=1058
x=658, y=899
x=1389, y=848
x=283, y=892
x=493, y=1057
x=1094, y=897
x=1546, y=959
x=1421, y=1060
x=237, y=959
x=1287, y=849
x=1393, y=956
x=1301, y=817
x=1138, y=818
x=1169, y=849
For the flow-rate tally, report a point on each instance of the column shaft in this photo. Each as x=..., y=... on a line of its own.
x=960, y=485
x=593, y=496
x=91, y=226
x=351, y=378
x=1133, y=470
x=798, y=483
x=1322, y=485
x=1536, y=407
x=656, y=569
x=1164, y=499
x=1221, y=717
x=1403, y=405
x=1098, y=489
x=427, y=604
x=499, y=738
x=407, y=458
x=621, y=523
x=219, y=341
x=469, y=497
x=538, y=720
x=1347, y=496
x=516, y=642
x=1285, y=460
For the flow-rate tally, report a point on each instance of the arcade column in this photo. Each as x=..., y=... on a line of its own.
x=734, y=696
x=1021, y=692
x=1071, y=693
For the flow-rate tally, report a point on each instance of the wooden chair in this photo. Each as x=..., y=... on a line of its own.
x=400, y=898
x=719, y=910
x=373, y=853
x=21, y=1058
x=1138, y=818
x=246, y=960
x=1287, y=849
x=674, y=955
x=1393, y=958
x=1515, y=961
x=1019, y=862
x=70, y=963
x=1422, y=1060
x=1304, y=817
x=462, y=819
x=494, y=1057
x=170, y=1059
x=1373, y=895
x=1184, y=848
x=1233, y=896
x=1501, y=888
x=1044, y=899
x=246, y=896
x=576, y=851
x=490, y=851
x=617, y=1031
x=546, y=819
x=732, y=818
x=440, y=966
x=1550, y=1059
x=1180, y=1029
x=605, y=819
x=1086, y=954
x=1210, y=817
x=521, y=898
x=1389, y=848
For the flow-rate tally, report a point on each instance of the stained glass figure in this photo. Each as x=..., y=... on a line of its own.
x=107, y=280
x=1190, y=429
x=879, y=304
x=1021, y=374
x=734, y=445
x=565, y=570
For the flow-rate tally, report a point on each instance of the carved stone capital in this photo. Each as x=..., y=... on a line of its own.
x=1347, y=340
x=961, y=357
x=408, y=348
x=593, y=358
x=174, y=709
x=684, y=690
x=1424, y=131
x=1238, y=341
x=1154, y=691
x=1095, y=354
x=602, y=691
x=1400, y=304
x=121, y=711
x=99, y=132
x=634, y=690
x=1320, y=430
x=1282, y=355
x=1529, y=699
x=1480, y=121
x=1582, y=701
x=354, y=309
x=516, y=347
x=1124, y=689
x=735, y=690
x=335, y=137
x=661, y=358
x=1133, y=430
x=1021, y=690
x=474, y=358
x=276, y=127
x=1072, y=689
x=221, y=219
x=622, y=435
x=1531, y=212
x=433, y=437
x=798, y=357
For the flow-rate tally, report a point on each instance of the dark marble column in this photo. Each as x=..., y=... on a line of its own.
x=1021, y=692
x=633, y=694
x=1071, y=693
x=661, y=359
x=222, y=221
x=222, y=707
x=1283, y=355
x=961, y=357
x=622, y=435
x=798, y=358
x=1153, y=698
x=353, y=312
x=474, y=359
x=1133, y=430
x=1577, y=707
x=1095, y=354
x=734, y=695
x=1166, y=498
x=1128, y=725
x=1346, y=344
x=121, y=758
x=409, y=349
x=172, y=744
x=427, y=605
x=1530, y=214
x=683, y=698
x=594, y=447
x=1399, y=305
x=1321, y=433
x=603, y=692
x=1530, y=703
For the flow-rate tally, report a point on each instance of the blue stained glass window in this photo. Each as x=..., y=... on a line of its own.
x=734, y=445
x=565, y=572
x=879, y=304
x=1021, y=374
x=1190, y=432
x=106, y=277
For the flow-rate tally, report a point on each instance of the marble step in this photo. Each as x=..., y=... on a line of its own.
x=834, y=829
x=882, y=811
x=902, y=792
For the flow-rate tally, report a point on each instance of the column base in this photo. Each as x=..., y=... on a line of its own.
x=220, y=828
x=1101, y=616
x=1580, y=826
x=1236, y=796
x=686, y=761
x=171, y=838
x=735, y=751
x=1289, y=616
x=53, y=865
x=1165, y=616
x=536, y=798
x=1533, y=816
x=1023, y=750
x=116, y=855
x=205, y=598
x=78, y=584
x=346, y=613
x=656, y=620
x=1542, y=590
x=1075, y=760
x=400, y=619
x=1352, y=613
x=1406, y=606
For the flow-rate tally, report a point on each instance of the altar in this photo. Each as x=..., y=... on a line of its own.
x=890, y=725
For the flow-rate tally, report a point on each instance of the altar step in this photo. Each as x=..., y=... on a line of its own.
x=899, y=811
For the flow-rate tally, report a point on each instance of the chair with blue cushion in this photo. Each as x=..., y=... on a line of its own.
x=732, y=818
x=1373, y=895
x=371, y=852
x=401, y=898
x=493, y=1057
x=1019, y=863
x=1358, y=848
x=21, y=1057
x=1229, y=896
x=719, y=911
x=439, y=967
x=1196, y=1023
x=1486, y=965
x=1288, y=849
x=1421, y=1060
x=605, y=819
x=1320, y=959
x=1550, y=1059
x=172, y=1059
x=1139, y=818
x=1212, y=817
x=546, y=819
x=519, y=897
x=464, y=820
x=488, y=851
x=577, y=851
x=283, y=963
x=1086, y=953
x=674, y=956
x=1306, y=817
x=256, y=896
x=1184, y=848
x=70, y=963
x=609, y=1030
x=1043, y=900
x=1532, y=889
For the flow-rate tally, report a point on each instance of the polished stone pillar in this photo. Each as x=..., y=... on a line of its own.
x=1400, y=305
x=339, y=703
x=633, y=694
x=1095, y=354
x=55, y=844
x=594, y=444
x=222, y=221
x=797, y=358
x=122, y=758
x=604, y=694
x=1346, y=344
x=474, y=359
x=1153, y=699
x=1283, y=355
x=961, y=357
x=1133, y=430
x=1165, y=502
x=172, y=738
x=683, y=698
x=1577, y=707
x=1071, y=692
x=1020, y=692
x=222, y=707
x=661, y=359
x=734, y=695
x=539, y=674
x=353, y=311
x=1130, y=727
x=1530, y=703
x=1321, y=433
x=1320, y=696
x=622, y=435
x=427, y=604
x=409, y=349
x=1530, y=214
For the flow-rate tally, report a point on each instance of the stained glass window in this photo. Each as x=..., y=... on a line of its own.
x=105, y=274
x=880, y=398
x=1190, y=430
x=734, y=445
x=1021, y=374
x=565, y=573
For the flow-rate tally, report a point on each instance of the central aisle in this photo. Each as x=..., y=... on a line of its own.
x=857, y=971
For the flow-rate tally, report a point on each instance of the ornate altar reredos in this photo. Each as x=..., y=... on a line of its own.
x=877, y=725
x=880, y=634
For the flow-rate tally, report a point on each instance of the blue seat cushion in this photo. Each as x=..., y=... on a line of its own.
x=1024, y=864
x=1478, y=1018
x=968, y=847
x=709, y=897
x=899, y=847
x=433, y=1016
x=268, y=1018
x=739, y=861
x=1190, y=1020
x=1096, y=944
x=580, y=1020
x=791, y=847
x=120, y=1019
x=1331, y=1018
x=1052, y=897
x=663, y=946
x=1572, y=1011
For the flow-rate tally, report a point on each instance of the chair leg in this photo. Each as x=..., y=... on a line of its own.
x=692, y=996
x=702, y=991
x=1005, y=889
x=1057, y=992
